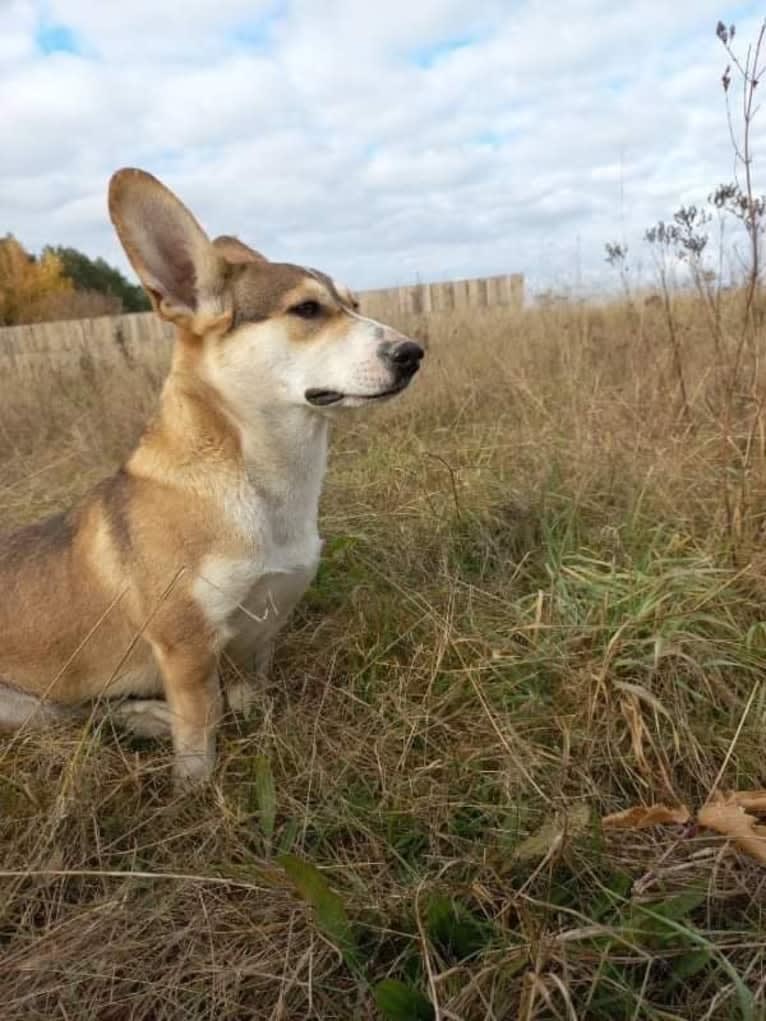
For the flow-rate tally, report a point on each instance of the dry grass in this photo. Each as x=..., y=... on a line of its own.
x=540, y=601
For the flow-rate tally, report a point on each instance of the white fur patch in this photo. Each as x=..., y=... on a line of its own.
x=247, y=601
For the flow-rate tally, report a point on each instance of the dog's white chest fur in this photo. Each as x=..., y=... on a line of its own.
x=248, y=600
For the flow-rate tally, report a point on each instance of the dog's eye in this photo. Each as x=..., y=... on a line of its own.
x=306, y=309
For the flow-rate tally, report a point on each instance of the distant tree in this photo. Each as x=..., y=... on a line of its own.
x=27, y=283
x=97, y=275
x=74, y=304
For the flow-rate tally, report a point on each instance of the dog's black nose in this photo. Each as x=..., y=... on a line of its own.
x=406, y=357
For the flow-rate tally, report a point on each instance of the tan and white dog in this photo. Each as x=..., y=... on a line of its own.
x=207, y=537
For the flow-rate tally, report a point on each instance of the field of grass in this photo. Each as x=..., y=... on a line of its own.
x=542, y=600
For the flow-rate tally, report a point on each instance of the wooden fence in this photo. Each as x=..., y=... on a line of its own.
x=130, y=339
x=127, y=339
x=425, y=299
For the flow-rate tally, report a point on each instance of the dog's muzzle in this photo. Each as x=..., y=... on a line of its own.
x=402, y=359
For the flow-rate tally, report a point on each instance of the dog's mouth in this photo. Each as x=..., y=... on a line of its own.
x=324, y=398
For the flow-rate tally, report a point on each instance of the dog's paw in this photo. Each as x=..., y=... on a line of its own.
x=241, y=696
x=144, y=717
x=190, y=769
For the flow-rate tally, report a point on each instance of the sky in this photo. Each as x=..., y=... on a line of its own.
x=382, y=142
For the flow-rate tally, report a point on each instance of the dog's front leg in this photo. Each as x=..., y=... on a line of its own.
x=193, y=693
x=242, y=692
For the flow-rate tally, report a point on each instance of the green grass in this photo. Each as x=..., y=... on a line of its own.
x=530, y=613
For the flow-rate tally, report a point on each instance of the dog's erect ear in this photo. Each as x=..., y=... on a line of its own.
x=236, y=251
x=179, y=267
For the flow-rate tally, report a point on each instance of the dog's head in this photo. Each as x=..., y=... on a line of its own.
x=264, y=331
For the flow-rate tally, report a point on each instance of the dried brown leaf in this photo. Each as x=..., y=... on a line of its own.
x=751, y=801
x=640, y=817
x=728, y=817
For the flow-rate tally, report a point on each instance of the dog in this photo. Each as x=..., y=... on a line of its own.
x=207, y=536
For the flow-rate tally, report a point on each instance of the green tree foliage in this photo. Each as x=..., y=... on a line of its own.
x=97, y=275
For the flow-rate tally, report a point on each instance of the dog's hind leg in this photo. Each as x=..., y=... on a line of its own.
x=141, y=716
x=19, y=709
x=145, y=717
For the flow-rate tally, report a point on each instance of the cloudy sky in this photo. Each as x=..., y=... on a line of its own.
x=383, y=142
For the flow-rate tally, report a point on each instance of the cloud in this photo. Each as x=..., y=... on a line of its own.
x=380, y=142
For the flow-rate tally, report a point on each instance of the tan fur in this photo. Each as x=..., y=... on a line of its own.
x=236, y=251
x=206, y=537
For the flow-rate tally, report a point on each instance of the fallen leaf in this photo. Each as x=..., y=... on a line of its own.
x=640, y=817
x=728, y=817
x=575, y=820
x=751, y=801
